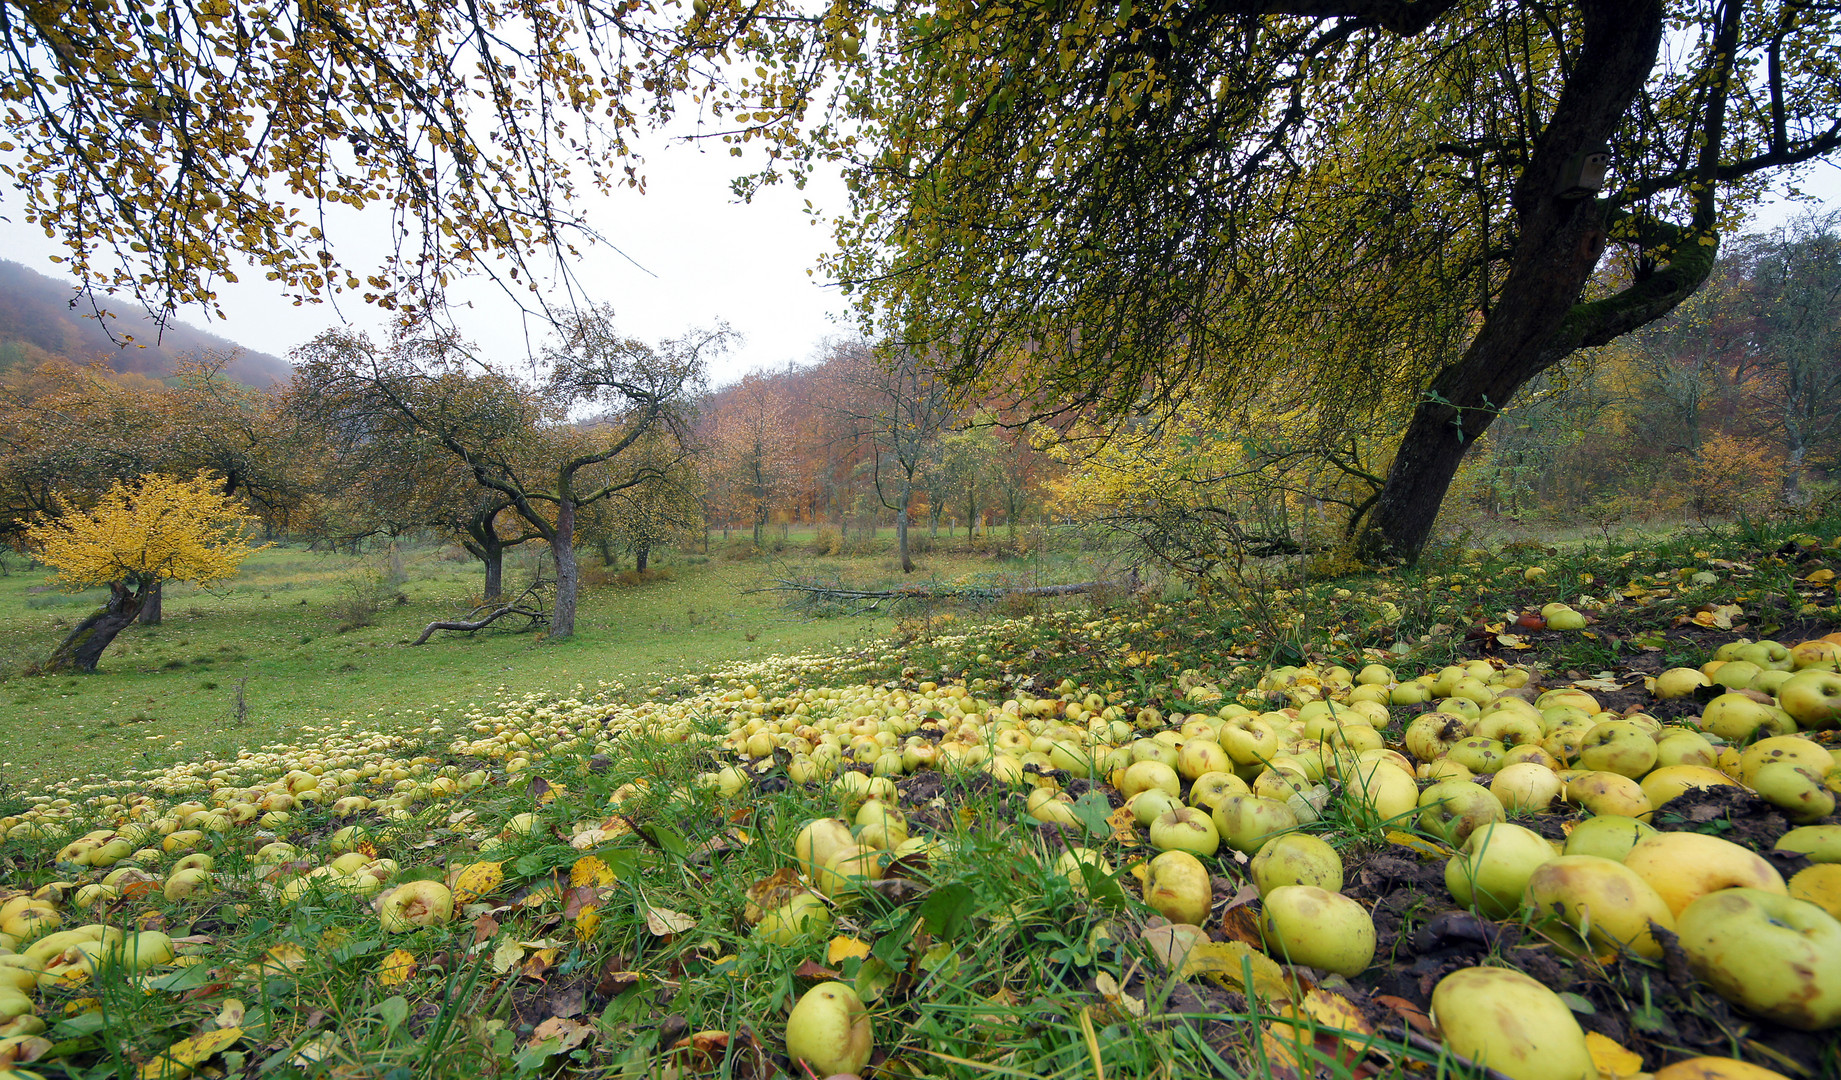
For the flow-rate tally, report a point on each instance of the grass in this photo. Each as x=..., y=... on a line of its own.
x=619, y=941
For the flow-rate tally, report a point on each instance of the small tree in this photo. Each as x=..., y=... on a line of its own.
x=138, y=535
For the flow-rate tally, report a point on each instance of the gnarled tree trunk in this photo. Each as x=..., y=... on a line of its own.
x=150, y=608
x=82, y=649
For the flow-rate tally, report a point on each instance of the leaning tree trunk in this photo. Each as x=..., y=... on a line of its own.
x=150, y=609
x=1539, y=319
x=83, y=648
x=562, y=548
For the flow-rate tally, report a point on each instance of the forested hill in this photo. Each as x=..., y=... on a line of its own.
x=37, y=322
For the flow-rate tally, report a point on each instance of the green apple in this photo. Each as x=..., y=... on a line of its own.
x=1211, y=788
x=1491, y=874
x=1184, y=828
x=1453, y=809
x=1143, y=775
x=829, y=1031
x=1767, y=953
x=1679, y=746
x=1478, y=754
x=1565, y=619
x=1504, y=1020
x=1605, y=901
x=1302, y=924
x=1178, y=886
x=1247, y=822
x=1148, y=805
x=1795, y=790
x=1822, y=843
x=1296, y=859
x=1199, y=756
x=1813, y=697
x=1379, y=793
x=1766, y=654
x=1735, y=717
x=819, y=840
x=805, y=914
x=1069, y=865
x=1618, y=746
x=1683, y=866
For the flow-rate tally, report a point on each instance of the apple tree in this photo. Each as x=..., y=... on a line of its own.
x=1373, y=208
x=141, y=533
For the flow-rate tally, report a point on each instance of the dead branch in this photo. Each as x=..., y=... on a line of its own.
x=528, y=603
x=870, y=599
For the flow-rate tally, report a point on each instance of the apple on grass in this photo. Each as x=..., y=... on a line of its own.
x=1178, y=886
x=829, y=1031
x=1296, y=859
x=1769, y=954
x=1812, y=697
x=1184, y=828
x=415, y=904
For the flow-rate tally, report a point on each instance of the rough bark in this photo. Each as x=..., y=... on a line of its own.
x=1538, y=318
x=642, y=554
x=82, y=649
x=568, y=577
x=150, y=608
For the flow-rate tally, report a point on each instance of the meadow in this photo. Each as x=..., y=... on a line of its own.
x=609, y=857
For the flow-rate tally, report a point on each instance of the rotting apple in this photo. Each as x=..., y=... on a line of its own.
x=1296, y=859
x=1506, y=1021
x=1769, y=954
x=1606, y=901
x=1684, y=866
x=1178, y=886
x=416, y=904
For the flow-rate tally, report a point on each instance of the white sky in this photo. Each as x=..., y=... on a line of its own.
x=713, y=258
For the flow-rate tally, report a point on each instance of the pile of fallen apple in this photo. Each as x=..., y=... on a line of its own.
x=1250, y=780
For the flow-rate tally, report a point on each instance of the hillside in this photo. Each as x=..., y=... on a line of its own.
x=38, y=317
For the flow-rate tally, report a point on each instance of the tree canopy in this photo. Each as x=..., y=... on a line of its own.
x=1361, y=205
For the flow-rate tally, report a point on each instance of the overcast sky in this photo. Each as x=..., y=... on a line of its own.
x=704, y=257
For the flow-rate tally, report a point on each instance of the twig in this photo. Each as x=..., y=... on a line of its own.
x=536, y=615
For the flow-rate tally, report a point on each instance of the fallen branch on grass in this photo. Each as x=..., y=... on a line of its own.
x=529, y=604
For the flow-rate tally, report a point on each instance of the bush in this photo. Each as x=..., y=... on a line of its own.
x=827, y=542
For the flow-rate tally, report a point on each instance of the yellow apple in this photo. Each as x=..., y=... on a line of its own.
x=1525, y=786
x=1178, y=887
x=1302, y=924
x=415, y=904
x=1794, y=749
x=1797, y=791
x=1670, y=781
x=1679, y=683
x=1506, y=1021
x=1819, y=885
x=1618, y=746
x=1712, y=1068
x=1246, y=822
x=1453, y=809
x=829, y=1031
x=1604, y=900
x=800, y=917
x=1734, y=717
x=819, y=840
x=1143, y=775
x=1683, y=866
x=1608, y=793
x=1184, y=828
x=1296, y=859
x=1768, y=954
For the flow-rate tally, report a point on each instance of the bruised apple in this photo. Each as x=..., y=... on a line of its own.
x=1605, y=901
x=1769, y=954
x=1178, y=887
x=415, y=904
x=1506, y=1021
x=1303, y=924
x=1296, y=859
x=1684, y=866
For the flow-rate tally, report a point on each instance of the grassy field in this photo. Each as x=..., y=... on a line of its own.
x=277, y=638
x=567, y=883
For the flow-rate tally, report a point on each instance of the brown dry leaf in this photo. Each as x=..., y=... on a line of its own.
x=539, y=962
x=1172, y=942
x=22, y=1050
x=730, y=839
x=811, y=969
x=772, y=892
x=842, y=948
x=183, y=1056
x=1241, y=924
x=1414, y=1016
x=484, y=928
x=569, y=1033
x=1613, y=1061
x=1230, y=963
x=664, y=921
x=397, y=967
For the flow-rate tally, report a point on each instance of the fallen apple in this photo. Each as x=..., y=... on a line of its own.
x=1715, y=1068
x=1184, y=828
x=1490, y=875
x=1303, y=924
x=416, y=904
x=1178, y=886
x=829, y=1030
x=1504, y=1020
x=1684, y=866
x=1819, y=885
x=1296, y=859
x=1769, y=954
x=1605, y=901
x=1822, y=843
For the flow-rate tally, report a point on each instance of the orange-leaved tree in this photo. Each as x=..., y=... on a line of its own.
x=152, y=529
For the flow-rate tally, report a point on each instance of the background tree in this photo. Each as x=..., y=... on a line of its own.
x=138, y=535
x=753, y=446
x=1096, y=204
x=899, y=408
x=515, y=438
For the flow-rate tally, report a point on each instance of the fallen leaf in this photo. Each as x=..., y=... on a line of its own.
x=842, y=948
x=1171, y=943
x=231, y=1015
x=183, y=1056
x=1414, y=1016
x=664, y=922
x=396, y=968
x=589, y=870
x=507, y=956
x=587, y=921
x=539, y=962
x=1114, y=994
x=772, y=892
x=1238, y=966
x=811, y=969
x=1424, y=848
x=1613, y=1061
x=568, y=1033
x=1241, y=924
